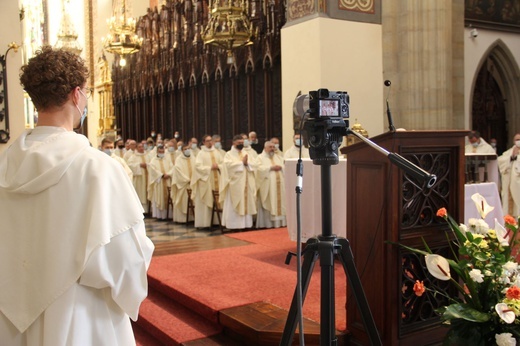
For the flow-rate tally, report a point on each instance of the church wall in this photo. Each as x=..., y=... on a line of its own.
x=475, y=52
x=337, y=55
x=11, y=31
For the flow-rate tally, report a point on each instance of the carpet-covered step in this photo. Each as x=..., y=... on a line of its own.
x=172, y=323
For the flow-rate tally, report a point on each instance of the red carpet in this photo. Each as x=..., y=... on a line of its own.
x=209, y=281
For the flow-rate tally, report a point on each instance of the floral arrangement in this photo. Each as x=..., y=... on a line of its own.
x=487, y=309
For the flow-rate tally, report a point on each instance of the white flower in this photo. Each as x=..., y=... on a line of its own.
x=476, y=275
x=478, y=226
x=505, y=313
x=501, y=232
x=511, y=267
x=438, y=266
x=481, y=204
x=463, y=228
x=505, y=339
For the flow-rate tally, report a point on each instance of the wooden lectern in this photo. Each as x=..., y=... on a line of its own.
x=385, y=204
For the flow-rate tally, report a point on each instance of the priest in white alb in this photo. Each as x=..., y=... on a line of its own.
x=509, y=167
x=160, y=171
x=205, y=181
x=238, y=187
x=181, y=180
x=138, y=163
x=271, y=189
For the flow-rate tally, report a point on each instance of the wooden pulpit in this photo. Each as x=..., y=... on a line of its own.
x=386, y=204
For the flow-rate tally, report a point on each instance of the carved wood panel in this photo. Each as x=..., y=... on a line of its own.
x=179, y=84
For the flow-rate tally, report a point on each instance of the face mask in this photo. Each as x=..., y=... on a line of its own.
x=247, y=144
x=517, y=143
x=494, y=145
x=254, y=141
x=145, y=146
x=239, y=146
x=193, y=146
x=179, y=148
x=271, y=153
x=160, y=156
x=84, y=114
x=298, y=142
x=108, y=152
x=474, y=144
x=187, y=152
x=176, y=136
x=171, y=149
x=277, y=146
x=218, y=145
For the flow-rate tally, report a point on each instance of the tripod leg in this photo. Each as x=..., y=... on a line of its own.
x=347, y=259
x=309, y=259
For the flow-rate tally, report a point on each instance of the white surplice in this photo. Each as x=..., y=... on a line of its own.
x=72, y=261
x=271, y=192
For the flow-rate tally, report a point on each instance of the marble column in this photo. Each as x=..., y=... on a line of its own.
x=423, y=57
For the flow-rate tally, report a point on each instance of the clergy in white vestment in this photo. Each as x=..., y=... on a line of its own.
x=119, y=148
x=194, y=147
x=160, y=172
x=276, y=143
x=248, y=149
x=271, y=189
x=138, y=163
x=509, y=167
x=181, y=180
x=217, y=143
x=72, y=261
x=205, y=181
x=132, y=146
x=107, y=146
x=171, y=148
x=238, y=187
x=477, y=145
x=294, y=151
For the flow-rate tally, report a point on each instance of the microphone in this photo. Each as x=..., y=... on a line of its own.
x=391, y=126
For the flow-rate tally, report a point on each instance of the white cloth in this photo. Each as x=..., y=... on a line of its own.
x=140, y=177
x=510, y=173
x=271, y=192
x=67, y=253
x=294, y=153
x=158, y=185
x=125, y=166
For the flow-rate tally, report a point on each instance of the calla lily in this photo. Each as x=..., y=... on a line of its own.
x=481, y=204
x=438, y=266
x=505, y=313
x=502, y=234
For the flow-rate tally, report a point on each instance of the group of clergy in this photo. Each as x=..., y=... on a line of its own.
x=181, y=181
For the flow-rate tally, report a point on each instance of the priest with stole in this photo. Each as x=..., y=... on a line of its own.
x=271, y=189
x=205, y=181
x=159, y=181
x=183, y=170
x=238, y=187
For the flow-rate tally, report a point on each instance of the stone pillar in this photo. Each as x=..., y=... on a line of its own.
x=423, y=57
x=337, y=46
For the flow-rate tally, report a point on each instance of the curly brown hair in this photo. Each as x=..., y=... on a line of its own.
x=51, y=75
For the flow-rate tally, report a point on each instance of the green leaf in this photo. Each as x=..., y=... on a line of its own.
x=465, y=312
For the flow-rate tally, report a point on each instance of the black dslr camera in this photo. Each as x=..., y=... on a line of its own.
x=327, y=124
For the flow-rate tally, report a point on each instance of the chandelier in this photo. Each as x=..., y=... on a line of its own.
x=121, y=39
x=228, y=26
x=67, y=36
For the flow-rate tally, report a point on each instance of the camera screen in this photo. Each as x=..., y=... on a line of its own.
x=329, y=108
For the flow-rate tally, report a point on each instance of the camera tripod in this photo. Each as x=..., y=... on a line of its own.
x=325, y=247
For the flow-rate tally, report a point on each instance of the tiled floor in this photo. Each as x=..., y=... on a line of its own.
x=167, y=231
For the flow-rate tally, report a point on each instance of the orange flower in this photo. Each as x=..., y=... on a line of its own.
x=442, y=212
x=418, y=288
x=510, y=220
x=513, y=293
